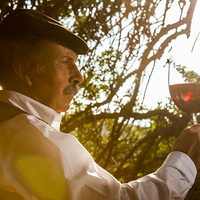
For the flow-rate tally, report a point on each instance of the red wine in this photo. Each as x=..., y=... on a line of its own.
x=186, y=96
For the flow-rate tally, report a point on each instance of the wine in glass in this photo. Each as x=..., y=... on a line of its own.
x=186, y=95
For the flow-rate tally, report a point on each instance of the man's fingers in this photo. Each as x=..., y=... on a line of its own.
x=189, y=143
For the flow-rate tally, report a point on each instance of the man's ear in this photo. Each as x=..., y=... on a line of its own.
x=21, y=72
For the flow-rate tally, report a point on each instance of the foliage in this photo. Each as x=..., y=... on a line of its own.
x=125, y=37
x=189, y=76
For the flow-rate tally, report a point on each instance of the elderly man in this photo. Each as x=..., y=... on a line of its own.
x=37, y=162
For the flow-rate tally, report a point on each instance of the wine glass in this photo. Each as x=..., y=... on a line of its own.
x=185, y=89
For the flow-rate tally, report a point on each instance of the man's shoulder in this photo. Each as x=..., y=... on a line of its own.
x=19, y=123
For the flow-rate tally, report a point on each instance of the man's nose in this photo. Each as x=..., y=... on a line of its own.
x=76, y=77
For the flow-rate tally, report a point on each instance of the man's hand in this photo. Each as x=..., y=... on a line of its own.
x=189, y=143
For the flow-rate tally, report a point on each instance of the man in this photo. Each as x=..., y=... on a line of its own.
x=37, y=162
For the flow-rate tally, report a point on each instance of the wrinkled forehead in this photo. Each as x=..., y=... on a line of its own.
x=61, y=51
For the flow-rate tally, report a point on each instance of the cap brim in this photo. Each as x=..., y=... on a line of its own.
x=24, y=22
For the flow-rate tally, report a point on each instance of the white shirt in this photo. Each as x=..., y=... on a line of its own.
x=37, y=162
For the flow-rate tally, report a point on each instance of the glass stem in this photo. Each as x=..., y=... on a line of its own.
x=194, y=115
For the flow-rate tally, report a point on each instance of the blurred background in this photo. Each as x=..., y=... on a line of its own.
x=123, y=114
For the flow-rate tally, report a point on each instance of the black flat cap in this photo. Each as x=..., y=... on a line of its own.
x=25, y=22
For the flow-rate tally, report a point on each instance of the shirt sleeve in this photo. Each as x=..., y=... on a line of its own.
x=171, y=181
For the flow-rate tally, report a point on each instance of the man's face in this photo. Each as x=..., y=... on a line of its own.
x=58, y=84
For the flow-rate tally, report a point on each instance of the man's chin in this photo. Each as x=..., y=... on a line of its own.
x=63, y=109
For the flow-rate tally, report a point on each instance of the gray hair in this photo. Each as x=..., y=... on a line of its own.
x=27, y=52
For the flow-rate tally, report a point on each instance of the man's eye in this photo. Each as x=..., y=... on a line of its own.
x=66, y=62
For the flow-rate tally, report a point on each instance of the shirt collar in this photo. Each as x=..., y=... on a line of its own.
x=31, y=107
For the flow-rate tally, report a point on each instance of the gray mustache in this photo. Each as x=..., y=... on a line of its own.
x=71, y=90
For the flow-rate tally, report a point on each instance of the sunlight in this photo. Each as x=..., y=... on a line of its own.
x=185, y=51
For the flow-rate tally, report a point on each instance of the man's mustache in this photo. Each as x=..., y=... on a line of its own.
x=71, y=90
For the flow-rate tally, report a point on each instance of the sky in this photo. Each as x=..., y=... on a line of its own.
x=181, y=50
